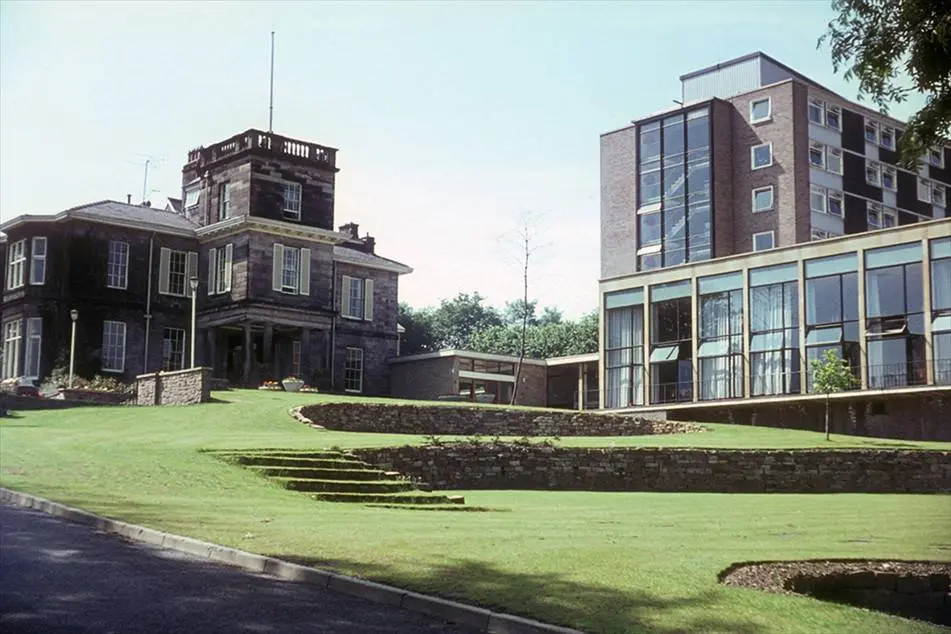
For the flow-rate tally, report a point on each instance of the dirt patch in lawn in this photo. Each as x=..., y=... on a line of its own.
x=913, y=589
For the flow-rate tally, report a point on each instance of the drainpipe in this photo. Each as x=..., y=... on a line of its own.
x=148, y=307
x=333, y=318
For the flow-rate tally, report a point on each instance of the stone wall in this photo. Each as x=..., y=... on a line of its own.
x=485, y=421
x=183, y=387
x=498, y=466
x=922, y=416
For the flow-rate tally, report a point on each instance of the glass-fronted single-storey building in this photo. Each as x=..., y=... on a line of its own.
x=748, y=326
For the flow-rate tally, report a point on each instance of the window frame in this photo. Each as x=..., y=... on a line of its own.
x=940, y=152
x=820, y=107
x=939, y=195
x=12, y=343
x=891, y=172
x=168, y=349
x=830, y=107
x=38, y=259
x=34, y=331
x=224, y=201
x=772, y=199
x=772, y=240
x=16, y=265
x=815, y=146
x=106, y=327
x=819, y=190
x=769, y=110
x=351, y=373
x=837, y=153
x=292, y=205
x=873, y=167
x=925, y=184
x=122, y=265
x=886, y=130
x=768, y=145
x=876, y=132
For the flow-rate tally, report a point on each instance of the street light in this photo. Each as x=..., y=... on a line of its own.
x=194, y=284
x=73, y=315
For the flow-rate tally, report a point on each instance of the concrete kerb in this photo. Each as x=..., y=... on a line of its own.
x=479, y=618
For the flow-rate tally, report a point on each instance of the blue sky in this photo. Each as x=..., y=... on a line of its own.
x=453, y=119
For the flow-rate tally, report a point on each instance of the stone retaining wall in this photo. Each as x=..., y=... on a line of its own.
x=183, y=387
x=486, y=421
x=492, y=466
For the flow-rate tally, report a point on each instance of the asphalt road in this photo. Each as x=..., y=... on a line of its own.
x=57, y=578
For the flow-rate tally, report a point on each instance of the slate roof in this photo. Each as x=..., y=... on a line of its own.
x=368, y=259
x=110, y=211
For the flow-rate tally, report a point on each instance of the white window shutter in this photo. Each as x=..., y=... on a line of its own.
x=164, y=257
x=192, y=268
x=229, y=255
x=345, y=296
x=277, y=267
x=368, y=300
x=304, y=286
x=212, y=270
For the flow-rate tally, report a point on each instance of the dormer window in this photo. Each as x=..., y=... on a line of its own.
x=192, y=198
x=292, y=198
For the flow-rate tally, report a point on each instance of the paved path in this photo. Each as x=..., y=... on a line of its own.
x=57, y=578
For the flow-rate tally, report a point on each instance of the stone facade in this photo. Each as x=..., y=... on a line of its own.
x=486, y=421
x=183, y=387
x=536, y=467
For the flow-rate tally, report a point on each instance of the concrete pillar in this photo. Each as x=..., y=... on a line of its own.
x=247, y=355
x=803, y=362
x=646, y=390
x=581, y=390
x=863, y=341
x=694, y=337
x=926, y=305
x=747, y=316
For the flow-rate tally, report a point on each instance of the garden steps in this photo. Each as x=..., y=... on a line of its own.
x=334, y=476
x=346, y=486
x=326, y=474
x=385, y=498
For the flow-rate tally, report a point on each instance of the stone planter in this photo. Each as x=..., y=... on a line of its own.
x=292, y=385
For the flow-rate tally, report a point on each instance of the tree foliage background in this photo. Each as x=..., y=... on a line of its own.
x=895, y=48
x=467, y=322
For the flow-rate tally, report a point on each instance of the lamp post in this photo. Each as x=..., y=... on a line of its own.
x=194, y=284
x=73, y=315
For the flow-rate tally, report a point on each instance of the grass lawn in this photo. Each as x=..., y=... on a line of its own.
x=602, y=562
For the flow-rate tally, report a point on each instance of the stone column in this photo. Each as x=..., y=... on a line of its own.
x=267, y=355
x=211, y=350
x=247, y=355
x=306, y=366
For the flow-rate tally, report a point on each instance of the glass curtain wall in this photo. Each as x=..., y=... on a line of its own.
x=671, y=343
x=941, y=309
x=624, y=349
x=832, y=310
x=774, y=330
x=895, y=321
x=720, y=353
x=673, y=215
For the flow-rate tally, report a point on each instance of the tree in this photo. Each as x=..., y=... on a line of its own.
x=831, y=374
x=515, y=312
x=550, y=315
x=418, y=337
x=878, y=42
x=526, y=236
x=455, y=320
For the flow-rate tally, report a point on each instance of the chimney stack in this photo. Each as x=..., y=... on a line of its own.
x=369, y=243
x=352, y=228
x=128, y=199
